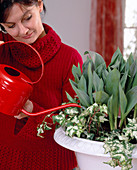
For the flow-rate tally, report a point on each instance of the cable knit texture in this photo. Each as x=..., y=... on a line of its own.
x=20, y=148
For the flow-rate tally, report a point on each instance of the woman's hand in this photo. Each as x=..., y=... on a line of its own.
x=1, y=42
x=28, y=107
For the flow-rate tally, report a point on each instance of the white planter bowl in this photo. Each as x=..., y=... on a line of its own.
x=90, y=154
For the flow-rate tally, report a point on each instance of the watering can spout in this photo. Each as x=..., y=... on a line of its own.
x=50, y=110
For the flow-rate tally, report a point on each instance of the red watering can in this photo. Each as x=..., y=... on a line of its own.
x=16, y=88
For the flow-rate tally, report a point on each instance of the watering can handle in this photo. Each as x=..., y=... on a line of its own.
x=51, y=110
x=42, y=64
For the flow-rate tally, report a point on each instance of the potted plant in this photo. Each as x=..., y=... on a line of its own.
x=108, y=113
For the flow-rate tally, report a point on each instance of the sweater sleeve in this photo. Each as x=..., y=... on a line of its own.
x=74, y=60
x=39, y=118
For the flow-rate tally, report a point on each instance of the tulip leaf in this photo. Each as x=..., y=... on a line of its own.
x=98, y=83
x=83, y=97
x=101, y=97
x=115, y=58
x=112, y=82
x=99, y=60
x=110, y=112
x=131, y=102
x=100, y=68
x=112, y=88
x=123, y=100
x=132, y=72
x=130, y=60
x=124, y=80
x=70, y=98
x=76, y=71
x=82, y=85
x=90, y=83
x=135, y=80
x=131, y=99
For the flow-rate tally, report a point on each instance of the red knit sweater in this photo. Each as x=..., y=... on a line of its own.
x=23, y=149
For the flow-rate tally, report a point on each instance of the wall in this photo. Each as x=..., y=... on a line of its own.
x=70, y=19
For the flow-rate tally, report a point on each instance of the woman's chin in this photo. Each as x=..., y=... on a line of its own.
x=27, y=41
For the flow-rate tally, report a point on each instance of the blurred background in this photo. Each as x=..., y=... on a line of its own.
x=97, y=25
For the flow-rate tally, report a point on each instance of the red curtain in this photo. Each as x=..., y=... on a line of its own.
x=106, y=27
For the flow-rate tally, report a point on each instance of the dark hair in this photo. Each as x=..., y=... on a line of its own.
x=5, y=6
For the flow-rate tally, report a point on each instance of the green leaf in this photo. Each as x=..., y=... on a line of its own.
x=74, y=83
x=116, y=56
x=110, y=112
x=116, y=65
x=130, y=60
x=97, y=82
x=131, y=102
x=70, y=98
x=132, y=73
x=135, y=80
x=122, y=65
x=46, y=127
x=99, y=60
x=90, y=83
x=82, y=85
x=85, y=67
x=101, y=97
x=123, y=100
x=112, y=82
x=104, y=74
x=112, y=88
x=100, y=69
x=131, y=99
x=76, y=71
x=124, y=80
x=133, y=69
x=83, y=97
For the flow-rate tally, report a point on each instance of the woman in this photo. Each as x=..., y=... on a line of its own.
x=20, y=148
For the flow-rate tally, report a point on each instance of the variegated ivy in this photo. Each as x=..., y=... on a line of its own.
x=79, y=122
x=118, y=146
x=84, y=123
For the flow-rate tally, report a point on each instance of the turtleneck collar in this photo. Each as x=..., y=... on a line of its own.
x=47, y=47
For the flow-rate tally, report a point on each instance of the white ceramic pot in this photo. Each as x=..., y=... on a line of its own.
x=90, y=154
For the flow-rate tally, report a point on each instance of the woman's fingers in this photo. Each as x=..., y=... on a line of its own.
x=1, y=42
x=28, y=107
x=21, y=115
